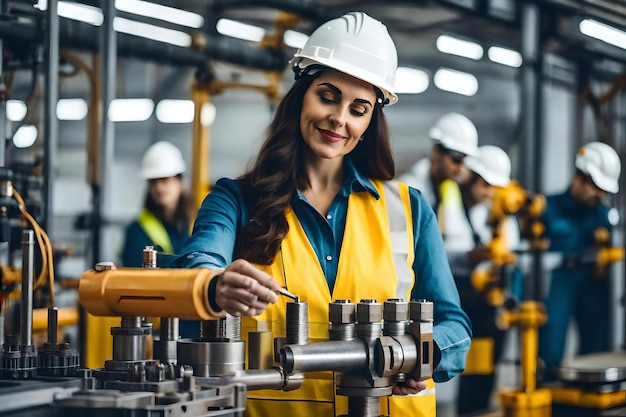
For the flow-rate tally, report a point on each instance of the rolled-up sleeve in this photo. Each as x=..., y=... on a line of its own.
x=452, y=331
x=212, y=243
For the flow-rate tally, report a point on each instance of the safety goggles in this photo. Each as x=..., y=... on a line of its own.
x=456, y=156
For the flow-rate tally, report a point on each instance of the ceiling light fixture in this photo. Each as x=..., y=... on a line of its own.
x=505, y=56
x=240, y=30
x=130, y=109
x=175, y=111
x=455, y=46
x=456, y=81
x=25, y=136
x=411, y=81
x=16, y=110
x=157, y=33
x=294, y=39
x=160, y=12
x=76, y=11
x=603, y=32
x=71, y=109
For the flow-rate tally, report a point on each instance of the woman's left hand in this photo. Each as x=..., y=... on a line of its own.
x=410, y=386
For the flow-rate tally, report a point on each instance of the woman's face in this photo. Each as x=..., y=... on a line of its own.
x=336, y=111
x=481, y=191
x=166, y=191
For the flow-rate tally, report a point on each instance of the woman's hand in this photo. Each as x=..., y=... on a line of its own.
x=244, y=290
x=410, y=386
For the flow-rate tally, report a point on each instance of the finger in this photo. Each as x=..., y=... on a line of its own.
x=263, y=278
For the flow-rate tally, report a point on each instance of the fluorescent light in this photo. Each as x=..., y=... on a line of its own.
x=410, y=81
x=505, y=56
x=456, y=82
x=131, y=109
x=294, y=39
x=605, y=33
x=175, y=111
x=455, y=46
x=25, y=136
x=76, y=11
x=158, y=11
x=157, y=33
x=207, y=114
x=16, y=110
x=240, y=30
x=71, y=109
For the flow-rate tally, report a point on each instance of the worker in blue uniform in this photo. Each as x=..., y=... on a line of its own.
x=572, y=220
x=165, y=219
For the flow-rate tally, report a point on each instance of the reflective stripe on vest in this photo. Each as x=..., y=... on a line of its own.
x=376, y=261
x=155, y=230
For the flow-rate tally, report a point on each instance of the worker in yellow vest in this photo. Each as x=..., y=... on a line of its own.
x=164, y=221
x=319, y=214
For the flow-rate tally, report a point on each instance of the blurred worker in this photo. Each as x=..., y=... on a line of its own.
x=466, y=249
x=167, y=213
x=454, y=136
x=317, y=212
x=572, y=220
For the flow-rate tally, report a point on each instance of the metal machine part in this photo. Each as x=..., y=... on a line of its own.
x=371, y=360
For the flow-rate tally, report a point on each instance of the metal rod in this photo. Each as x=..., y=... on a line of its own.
x=326, y=356
x=28, y=258
x=53, y=325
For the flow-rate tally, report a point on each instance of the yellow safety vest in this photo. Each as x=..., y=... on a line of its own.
x=155, y=230
x=375, y=263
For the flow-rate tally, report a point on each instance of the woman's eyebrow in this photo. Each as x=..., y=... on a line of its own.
x=338, y=92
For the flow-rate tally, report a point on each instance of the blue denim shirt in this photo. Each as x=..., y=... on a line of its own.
x=223, y=212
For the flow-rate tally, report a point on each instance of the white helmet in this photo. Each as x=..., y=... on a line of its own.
x=492, y=164
x=601, y=163
x=456, y=132
x=162, y=160
x=357, y=45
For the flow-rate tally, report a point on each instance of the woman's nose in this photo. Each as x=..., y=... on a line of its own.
x=337, y=117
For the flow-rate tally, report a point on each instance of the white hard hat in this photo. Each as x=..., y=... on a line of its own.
x=162, y=160
x=492, y=164
x=357, y=45
x=601, y=163
x=456, y=132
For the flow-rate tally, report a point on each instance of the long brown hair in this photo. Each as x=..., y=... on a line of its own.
x=269, y=185
x=182, y=217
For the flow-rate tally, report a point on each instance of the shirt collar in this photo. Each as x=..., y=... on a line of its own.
x=353, y=181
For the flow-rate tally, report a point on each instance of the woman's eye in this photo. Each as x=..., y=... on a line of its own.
x=327, y=98
x=358, y=112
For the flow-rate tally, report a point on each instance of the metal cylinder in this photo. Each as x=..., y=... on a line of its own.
x=211, y=358
x=363, y=407
x=26, y=317
x=224, y=328
x=170, y=328
x=164, y=349
x=395, y=317
x=260, y=350
x=325, y=356
x=149, y=257
x=129, y=344
x=297, y=325
x=342, y=317
x=369, y=315
x=53, y=324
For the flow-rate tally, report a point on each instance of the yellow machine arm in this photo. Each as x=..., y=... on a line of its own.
x=181, y=293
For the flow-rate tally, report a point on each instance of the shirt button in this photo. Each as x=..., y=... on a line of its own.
x=329, y=258
x=329, y=216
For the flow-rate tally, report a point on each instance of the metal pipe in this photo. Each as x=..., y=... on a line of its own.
x=50, y=122
x=336, y=356
x=254, y=379
x=53, y=325
x=3, y=97
x=28, y=259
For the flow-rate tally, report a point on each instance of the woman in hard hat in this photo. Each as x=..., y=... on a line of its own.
x=167, y=213
x=578, y=289
x=467, y=248
x=318, y=215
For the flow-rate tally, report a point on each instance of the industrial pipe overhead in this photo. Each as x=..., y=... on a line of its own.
x=83, y=36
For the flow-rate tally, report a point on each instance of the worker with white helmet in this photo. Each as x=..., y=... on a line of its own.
x=577, y=289
x=319, y=214
x=165, y=219
x=454, y=137
x=466, y=241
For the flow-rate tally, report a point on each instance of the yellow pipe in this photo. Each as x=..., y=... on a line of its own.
x=201, y=96
x=166, y=292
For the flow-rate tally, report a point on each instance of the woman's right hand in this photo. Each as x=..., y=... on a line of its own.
x=244, y=290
